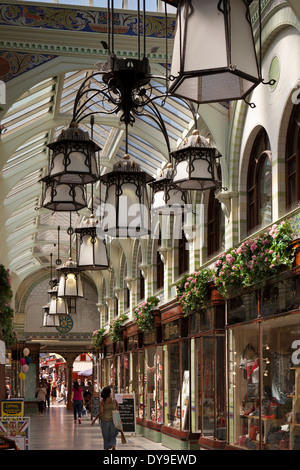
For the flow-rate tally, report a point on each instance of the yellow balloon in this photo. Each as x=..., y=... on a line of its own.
x=22, y=376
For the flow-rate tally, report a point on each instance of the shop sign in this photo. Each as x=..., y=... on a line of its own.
x=126, y=404
x=13, y=407
x=149, y=337
x=171, y=330
x=16, y=429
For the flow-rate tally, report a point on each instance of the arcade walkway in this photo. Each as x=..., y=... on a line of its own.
x=55, y=430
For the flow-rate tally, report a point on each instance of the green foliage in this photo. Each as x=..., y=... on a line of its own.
x=115, y=328
x=255, y=260
x=192, y=291
x=143, y=314
x=97, y=338
x=6, y=312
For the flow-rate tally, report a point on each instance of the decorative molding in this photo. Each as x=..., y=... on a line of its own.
x=15, y=63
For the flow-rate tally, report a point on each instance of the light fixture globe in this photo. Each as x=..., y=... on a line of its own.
x=196, y=166
x=70, y=283
x=90, y=246
x=62, y=197
x=73, y=158
x=126, y=207
x=167, y=198
x=214, y=57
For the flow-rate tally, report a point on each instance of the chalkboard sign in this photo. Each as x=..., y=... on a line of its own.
x=127, y=411
x=95, y=406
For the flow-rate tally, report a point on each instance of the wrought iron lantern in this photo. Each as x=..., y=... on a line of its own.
x=126, y=207
x=214, y=57
x=70, y=283
x=58, y=305
x=73, y=158
x=167, y=198
x=49, y=320
x=62, y=197
x=91, y=246
x=196, y=166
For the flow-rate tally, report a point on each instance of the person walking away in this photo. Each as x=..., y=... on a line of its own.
x=40, y=395
x=63, y=392
x=53, y=391
x=77, y=400
x=106, y=407
x=48, y=390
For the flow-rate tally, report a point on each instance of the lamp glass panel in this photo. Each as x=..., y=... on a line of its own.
x=92, y=252
x=70, y=285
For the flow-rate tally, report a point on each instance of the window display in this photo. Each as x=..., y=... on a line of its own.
x=264, y=384
x=153, y=385
x=177, y=385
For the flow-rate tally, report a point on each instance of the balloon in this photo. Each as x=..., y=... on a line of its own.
x=25, y=351
x=22, y=376
x=25, y=368
x=22, y=361
x=28, y=360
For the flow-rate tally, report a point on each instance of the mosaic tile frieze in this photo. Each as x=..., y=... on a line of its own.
x=13, y=64
x=67, y=19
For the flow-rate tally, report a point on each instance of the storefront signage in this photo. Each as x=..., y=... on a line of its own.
x=171, y=330
x=16, y=429
x=149, y=337
x=95, y=406
x=127, y=411
x=13, y=407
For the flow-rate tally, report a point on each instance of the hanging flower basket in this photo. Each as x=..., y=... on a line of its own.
x=143, y=314
x=6, y=312
x=97, y=338
x=193, y=292
x=115, y=328
x=255, y=260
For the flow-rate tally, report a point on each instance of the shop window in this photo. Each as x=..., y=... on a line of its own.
x=116, y=306
x=292, y=168
x=210, y=385
x=154, y=385
x=259, y=185
x=264, y=384
x=141, y=285
x=140, y=390
x=177, y=385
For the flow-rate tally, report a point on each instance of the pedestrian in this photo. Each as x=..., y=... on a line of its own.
x=53, y=391
x=48, y=390
x=63, y=392
x=106, y=407
x=77, y=400
x=40, y=395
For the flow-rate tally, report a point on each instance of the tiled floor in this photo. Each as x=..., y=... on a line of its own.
x=55, y=430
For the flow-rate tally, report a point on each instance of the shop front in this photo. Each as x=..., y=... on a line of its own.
x=263, y=350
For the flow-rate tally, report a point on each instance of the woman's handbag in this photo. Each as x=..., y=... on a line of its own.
x=117, y=420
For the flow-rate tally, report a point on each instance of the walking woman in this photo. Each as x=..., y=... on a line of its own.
x=77, y=400
x=109, y=432
x=40, y=395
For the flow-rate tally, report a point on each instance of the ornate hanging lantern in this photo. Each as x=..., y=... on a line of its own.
x=58, y=305
x=214, y=57
x=73, y=158
x=126, y=207
x=70, y=283
x=90, y=246
x=167, y=198
x=49, y=320
x=62, y=196
x=196, y=166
